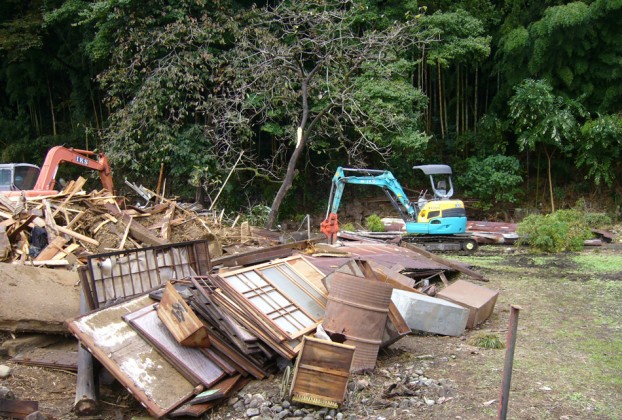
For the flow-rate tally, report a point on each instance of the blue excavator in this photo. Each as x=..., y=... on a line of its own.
x=437, y=224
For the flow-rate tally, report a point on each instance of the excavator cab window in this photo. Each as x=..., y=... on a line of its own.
x=25, y=177
x=5, y=179
x=441, y=186
x=434, y=214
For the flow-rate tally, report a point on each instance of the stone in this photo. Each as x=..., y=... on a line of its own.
x=277, y=408
x=5, y=371
x=299, y=413
x=239, y=406
x=404, y=404
x=339, y=416
x=283, y=414
x=285, y=404
x=252, y=412
x=6, y=393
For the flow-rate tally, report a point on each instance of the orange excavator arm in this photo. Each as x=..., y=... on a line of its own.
x=59, y=154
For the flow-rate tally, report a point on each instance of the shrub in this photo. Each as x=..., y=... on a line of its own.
x=258, y=215
x=563, y=230
x=374, y=224
x=491, y=180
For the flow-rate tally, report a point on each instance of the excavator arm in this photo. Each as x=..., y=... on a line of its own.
x=375, y=177
x=85, y=158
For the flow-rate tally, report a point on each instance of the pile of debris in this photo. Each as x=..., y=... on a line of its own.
x=61, y=230
x=184, y=328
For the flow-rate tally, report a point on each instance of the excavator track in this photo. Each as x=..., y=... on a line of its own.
x=444, y=243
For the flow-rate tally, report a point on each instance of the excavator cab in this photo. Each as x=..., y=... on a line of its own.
x=18, y=176
x=440, y=178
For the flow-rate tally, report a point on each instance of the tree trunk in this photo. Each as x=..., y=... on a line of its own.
x=440, y=97
x=301, y=138
x=549, y=157
x=457, y=100
x=475, y=101
x=288, y=180
x=52, y=110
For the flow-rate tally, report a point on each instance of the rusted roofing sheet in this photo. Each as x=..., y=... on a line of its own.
x=388, y=255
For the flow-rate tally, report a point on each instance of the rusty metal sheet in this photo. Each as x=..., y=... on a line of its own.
x=357, y=308
x=388, y=255
x=492, y=232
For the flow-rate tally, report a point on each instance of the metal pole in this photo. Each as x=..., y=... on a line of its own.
x=510, y=344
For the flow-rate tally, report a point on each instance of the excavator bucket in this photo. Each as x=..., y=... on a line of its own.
x=330, y=227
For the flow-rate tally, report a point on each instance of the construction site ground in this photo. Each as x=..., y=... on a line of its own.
x=567, y=362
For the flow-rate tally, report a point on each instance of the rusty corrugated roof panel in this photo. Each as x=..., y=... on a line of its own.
x=388, y=255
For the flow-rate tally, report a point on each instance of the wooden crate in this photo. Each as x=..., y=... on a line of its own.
x=321, y=373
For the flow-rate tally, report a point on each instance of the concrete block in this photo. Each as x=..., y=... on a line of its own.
x=428, y=314
x=479, y=300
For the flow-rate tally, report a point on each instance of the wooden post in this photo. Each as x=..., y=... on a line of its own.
x=160, y=178
x=86, y=403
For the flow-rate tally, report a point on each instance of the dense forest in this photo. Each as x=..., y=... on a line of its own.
x=523, y=98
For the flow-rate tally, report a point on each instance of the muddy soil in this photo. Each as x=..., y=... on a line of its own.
x=566, y=365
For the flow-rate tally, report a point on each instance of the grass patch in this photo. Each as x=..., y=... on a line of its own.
x=599, y=263
x=486, y=340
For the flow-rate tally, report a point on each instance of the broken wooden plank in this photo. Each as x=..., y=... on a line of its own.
x=77, y=235
x=49, y=358
x=77, y=186
x=49, y=263
x=75, y=220
x=52, y=249
x=166, y=222
x=127, y=230
x=21, y=225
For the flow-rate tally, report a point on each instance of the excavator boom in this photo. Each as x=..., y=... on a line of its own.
x=59, y=154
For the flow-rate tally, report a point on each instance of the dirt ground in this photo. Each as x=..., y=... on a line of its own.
x=567, y=364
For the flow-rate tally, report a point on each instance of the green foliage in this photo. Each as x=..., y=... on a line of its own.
x=541, y=117
x=563, y=230
x=462, y=37
x=486, y=340
x=373, y=223
x=492, y=180
x=257, y=215
x=393, y=107
x=599, y=148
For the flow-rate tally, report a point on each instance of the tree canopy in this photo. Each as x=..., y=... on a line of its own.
x=287, y=91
